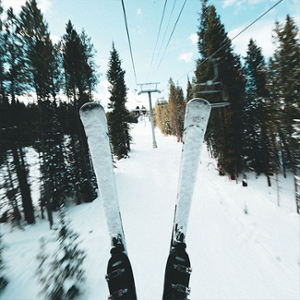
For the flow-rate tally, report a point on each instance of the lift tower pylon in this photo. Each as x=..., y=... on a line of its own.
x=149, y=91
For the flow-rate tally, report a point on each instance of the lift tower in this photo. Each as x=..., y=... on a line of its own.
x=151, y=88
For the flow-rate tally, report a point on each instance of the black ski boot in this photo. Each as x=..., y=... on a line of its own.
x=177, y=274
x=120, y=276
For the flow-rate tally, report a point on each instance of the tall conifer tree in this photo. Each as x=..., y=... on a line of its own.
x=176, y=110
x=285, y=67
x=224, y=132
x=80, y=81
x=119, y=116
x=257, y=117
x=39, y=58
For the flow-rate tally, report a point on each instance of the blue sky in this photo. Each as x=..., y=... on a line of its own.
x=103, y=21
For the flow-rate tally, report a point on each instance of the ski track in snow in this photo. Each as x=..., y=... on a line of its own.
x=233, y=255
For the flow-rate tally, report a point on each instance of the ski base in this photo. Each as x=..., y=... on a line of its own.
x=177, y=274
x=119, y=276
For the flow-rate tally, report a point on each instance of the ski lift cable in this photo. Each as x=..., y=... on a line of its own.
x=166, y=30
x=174, y=27
x=129, y=42
x=163, y=39
x=242, y=31
x=159, y=29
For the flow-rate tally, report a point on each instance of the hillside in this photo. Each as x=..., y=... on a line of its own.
x=234, y=255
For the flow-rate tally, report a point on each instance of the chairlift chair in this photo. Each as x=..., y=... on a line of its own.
x=213, y=87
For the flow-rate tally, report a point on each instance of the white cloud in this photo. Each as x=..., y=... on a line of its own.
x=193, y=38
x=43, y=5
x=139, y=12
x=186, y=57
x=227, y=3
x=261, y=33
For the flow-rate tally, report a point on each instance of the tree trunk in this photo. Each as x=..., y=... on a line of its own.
x=44, y=167
x=23, y=184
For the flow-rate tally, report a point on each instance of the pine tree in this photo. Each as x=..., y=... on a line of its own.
x=172, y=107
x=2, y=61
x=39, y=60
x=15, y=78
x=176, y=110
x=162, y=118
x=118, y=116
x=181, y=105
x=224, y=133
x=80, y=80
x=256, y=116
x=285, y=66
x=60, y=271
x=189, y=91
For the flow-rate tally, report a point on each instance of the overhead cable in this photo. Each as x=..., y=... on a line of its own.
x=230, y=40
x=129, y=43
x=174, y=27
x=161, y=21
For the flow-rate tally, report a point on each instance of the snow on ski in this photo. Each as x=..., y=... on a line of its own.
x=94, y=120
x=119, y=272
x=195, y=123
x=178, y=267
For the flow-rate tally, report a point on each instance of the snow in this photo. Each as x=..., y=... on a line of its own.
x=196, y=119
x=233, y=255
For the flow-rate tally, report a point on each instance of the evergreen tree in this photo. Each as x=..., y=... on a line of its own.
x=15, y=78
x=17, y=132
x=38, y=48
x=257, y=141
x=80, y=80
x=60, y=271
x=285, y=67
x=224, y=133
x=79, y=66
x=162, y=118
x=13, y=137
x=2, y=61
x=189, y=91
x=119, y=116
x=181, y=105
x=39, y=61
x=9, y=184
x=176, y=110
x=172, y=107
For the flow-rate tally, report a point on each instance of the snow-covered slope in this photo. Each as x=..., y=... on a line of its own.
x=234, y=255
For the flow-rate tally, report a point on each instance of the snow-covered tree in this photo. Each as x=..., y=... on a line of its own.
x=60, y=270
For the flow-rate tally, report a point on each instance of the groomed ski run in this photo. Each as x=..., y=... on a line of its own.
x=233, y=255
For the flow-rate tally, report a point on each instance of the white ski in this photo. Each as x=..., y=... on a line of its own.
x=119, y=275
x=93, y=117
x=178, y=267
x=196, y=119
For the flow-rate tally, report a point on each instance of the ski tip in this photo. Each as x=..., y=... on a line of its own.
x=89, y=106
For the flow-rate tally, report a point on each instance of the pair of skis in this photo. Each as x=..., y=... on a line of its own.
x=119, y=272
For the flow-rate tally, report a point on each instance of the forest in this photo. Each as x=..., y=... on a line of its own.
x=258, y=131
